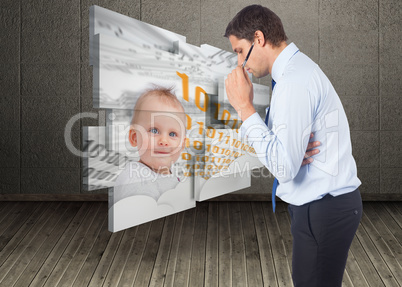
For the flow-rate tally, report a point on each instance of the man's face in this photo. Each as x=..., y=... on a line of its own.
x=159, y=136
x=255, y=63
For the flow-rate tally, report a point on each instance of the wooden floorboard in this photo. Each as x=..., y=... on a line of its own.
x=8, y=213
x=58, y=250
x=162, y=257
x=239, y=268
x=280, y=256
x=48, y=245
x=107, y=259
x=16, y=220
x=94, y=257
x=85, y=233
x=224, y=247
x=253, y=262
x=395, y=210
x=197, y=268
x=26, y=249
x=268, y=271
x=132, y=258
x=82, y=252
x=123, y=250
x=36, y=252
x=373, y=252
x=18, y=257
x=283, y=219
x=9, y=243
x=353, y=273
x=346, y=281
x=171, y=268
x=149, y=256
x=211, y=256
x=384, y=241
x=214, y=244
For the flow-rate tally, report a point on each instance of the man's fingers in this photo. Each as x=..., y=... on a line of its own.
x=313, y=145
x=311, y=153
x=239, y=73
x=247, y=77
x=307, y=161
x=229, y=78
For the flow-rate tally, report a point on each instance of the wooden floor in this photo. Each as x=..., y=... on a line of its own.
x=214, y=244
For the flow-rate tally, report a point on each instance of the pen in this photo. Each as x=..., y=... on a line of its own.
x=248, y=55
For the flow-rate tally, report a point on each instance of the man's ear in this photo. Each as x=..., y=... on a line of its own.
x=259, y=38
x=132, y=137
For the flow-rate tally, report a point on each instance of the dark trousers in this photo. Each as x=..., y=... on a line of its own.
x=322, y=232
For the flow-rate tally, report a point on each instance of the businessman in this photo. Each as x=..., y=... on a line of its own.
x=324, y=200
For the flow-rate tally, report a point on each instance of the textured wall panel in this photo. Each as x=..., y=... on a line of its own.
x=48, y=149
x=10, y=113
x=349, y=45
x=9, y=79
x=390, y=15
x=10, y=31
x=362, y=113
x=182, y=17
x=391, y=149
x=215, y=15
x=50, y=31
x=10, y=180
x=370, y=178
x=391, y=180
x=9, y=148
x=50, y=180
x=366, y=145
x=391, y=113
x=47, y=113
x=50, y=80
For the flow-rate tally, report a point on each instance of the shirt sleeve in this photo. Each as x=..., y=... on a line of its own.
x=281, y=145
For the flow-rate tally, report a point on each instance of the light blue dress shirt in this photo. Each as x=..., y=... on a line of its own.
x=303, y=101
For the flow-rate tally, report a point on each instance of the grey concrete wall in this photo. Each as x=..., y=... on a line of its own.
x=45, y=78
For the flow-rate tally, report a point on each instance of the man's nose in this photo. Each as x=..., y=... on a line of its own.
x=240, y=60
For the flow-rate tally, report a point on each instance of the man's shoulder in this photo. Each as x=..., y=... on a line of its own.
x=300, y=70
x=302, y=62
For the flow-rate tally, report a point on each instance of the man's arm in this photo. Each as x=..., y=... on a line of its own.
x=240, y=94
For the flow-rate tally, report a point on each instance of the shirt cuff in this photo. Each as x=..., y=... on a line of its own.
x=253, y=126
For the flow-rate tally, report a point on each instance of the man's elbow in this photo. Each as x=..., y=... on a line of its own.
x=286, y=174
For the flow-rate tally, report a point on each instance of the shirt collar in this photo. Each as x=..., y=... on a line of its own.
x=281, y=61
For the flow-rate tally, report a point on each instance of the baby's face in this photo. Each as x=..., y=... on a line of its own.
x=159, y=135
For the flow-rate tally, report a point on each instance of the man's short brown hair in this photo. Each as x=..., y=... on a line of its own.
x=253, y=18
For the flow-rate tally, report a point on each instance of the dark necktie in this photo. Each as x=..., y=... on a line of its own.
x=275, y=185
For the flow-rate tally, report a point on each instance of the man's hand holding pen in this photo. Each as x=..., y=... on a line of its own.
x=240, y=92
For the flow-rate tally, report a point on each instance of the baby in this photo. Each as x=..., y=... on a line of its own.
x=158, y=131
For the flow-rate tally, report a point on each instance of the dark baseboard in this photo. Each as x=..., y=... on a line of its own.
x=227, y=197
x=53, y=197
x=267, y=197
